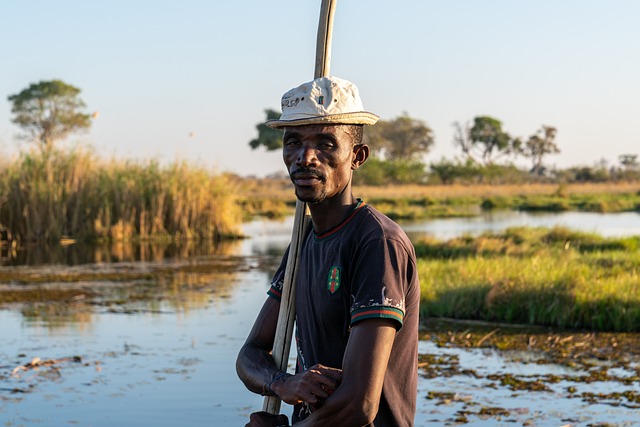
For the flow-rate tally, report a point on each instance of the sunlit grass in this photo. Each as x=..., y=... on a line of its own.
x=75, y=195
x=534, y=276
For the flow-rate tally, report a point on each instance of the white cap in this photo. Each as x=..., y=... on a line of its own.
x=329, y=100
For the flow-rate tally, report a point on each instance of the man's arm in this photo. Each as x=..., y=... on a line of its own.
x=257, y=368
x=355, y=402
x=255, y=365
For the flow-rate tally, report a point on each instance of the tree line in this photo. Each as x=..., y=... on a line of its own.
x=486, y=154
x=49, y=111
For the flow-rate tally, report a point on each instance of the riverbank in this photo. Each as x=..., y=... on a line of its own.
x=274, y=198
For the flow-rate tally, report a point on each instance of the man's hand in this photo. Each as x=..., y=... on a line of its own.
x=311, y=386
x=265, y=419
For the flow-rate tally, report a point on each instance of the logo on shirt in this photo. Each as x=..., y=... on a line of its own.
x=333, y=280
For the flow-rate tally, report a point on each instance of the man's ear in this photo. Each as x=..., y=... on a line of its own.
x=360, y=155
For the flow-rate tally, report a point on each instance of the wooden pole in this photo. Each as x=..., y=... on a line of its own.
x=287, y=314
x=323, y=42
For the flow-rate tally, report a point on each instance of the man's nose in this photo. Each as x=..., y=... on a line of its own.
x=306, y=156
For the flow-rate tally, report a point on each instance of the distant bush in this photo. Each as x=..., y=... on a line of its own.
x=468, y=172
x=378, y=172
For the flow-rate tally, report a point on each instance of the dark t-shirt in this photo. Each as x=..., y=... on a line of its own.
x=361, y=269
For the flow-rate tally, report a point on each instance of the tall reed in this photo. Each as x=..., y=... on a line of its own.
x=76, y=195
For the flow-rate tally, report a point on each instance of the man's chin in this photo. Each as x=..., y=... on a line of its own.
x=311, y=199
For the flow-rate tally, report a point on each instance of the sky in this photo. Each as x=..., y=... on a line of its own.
x=190, y=80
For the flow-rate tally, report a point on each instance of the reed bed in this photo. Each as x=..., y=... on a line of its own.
x=74, y=195
x=556, y=277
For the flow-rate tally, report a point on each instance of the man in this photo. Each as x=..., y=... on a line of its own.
x=357, y=291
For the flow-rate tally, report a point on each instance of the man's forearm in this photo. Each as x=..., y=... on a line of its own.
x=256, y=368
x=342, y=409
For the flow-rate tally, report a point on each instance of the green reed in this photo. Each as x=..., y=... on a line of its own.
x=73, y=194
x=554, y=277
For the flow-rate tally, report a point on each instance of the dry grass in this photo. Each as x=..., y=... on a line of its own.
x=282, y=190
x=485, y=191
x=75, y=195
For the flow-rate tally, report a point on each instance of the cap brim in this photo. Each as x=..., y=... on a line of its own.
x=359, y=118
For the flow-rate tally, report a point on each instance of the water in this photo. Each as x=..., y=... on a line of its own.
x=608, y=225
x=552, y=407
x=165, y=356
x=165, y=367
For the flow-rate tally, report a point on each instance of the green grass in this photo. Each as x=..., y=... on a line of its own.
x=579, y=202
x=551, y=277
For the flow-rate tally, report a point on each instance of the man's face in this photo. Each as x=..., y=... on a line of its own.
x=319, y=159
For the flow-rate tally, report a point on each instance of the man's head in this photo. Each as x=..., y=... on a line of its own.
x=321, y=158
x=323, y=122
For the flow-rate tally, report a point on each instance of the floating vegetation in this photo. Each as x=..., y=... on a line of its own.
x=515, y=383
x=581, y=365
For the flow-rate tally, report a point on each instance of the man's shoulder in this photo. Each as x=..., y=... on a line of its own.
x=378, y=225
x=375, y=218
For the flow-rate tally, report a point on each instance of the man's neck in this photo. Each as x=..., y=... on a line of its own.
x=330, y=213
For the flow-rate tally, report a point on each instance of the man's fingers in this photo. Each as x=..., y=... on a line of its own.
x=311, y=386
x=334, y=374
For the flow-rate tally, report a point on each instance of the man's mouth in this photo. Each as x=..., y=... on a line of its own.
x=307, y=177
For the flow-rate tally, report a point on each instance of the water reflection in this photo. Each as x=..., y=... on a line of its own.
x=82, y=253
x=163, y=282
x=270, y=237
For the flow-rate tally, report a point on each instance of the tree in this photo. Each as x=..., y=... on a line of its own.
x=539, y=145
x=629, y=161
x=402, y=138
x=271, y=139
x=49, y=111
x=485, y=141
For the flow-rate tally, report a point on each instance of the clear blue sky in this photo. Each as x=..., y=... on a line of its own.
x=158, y=71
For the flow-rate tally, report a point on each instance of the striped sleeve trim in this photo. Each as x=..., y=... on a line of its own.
x=380, y=312
x=273, y=292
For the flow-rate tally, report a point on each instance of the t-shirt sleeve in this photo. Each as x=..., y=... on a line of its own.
x=277, y=282
x=380, y=281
